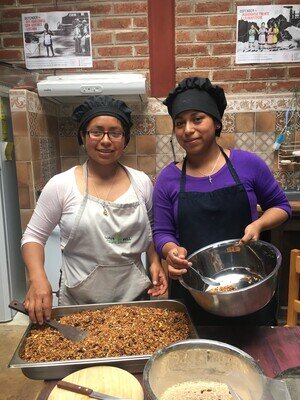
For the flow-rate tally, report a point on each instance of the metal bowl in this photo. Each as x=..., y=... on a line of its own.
x=200, y=360
x=252, y=270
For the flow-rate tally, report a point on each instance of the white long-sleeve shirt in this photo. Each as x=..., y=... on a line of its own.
x=60, y=200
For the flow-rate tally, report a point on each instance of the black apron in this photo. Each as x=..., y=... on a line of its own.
x=208, y=217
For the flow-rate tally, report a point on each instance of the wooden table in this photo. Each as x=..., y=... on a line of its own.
x=274, y=348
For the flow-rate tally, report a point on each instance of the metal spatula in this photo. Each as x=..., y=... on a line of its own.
x=206, y=279
x=68, y=331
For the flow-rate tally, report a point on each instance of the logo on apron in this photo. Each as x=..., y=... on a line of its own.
x=118, y=239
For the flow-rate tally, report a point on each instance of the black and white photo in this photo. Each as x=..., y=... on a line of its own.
x=57, y=40
x=268, y=34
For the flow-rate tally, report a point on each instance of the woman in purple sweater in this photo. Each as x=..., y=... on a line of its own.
x=212, y=195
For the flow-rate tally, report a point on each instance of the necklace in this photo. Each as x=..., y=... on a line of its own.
x=104, y=202
x=212, y=170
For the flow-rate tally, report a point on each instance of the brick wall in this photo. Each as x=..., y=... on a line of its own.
x=205, y=45
x=204, y=36
x=119, y=31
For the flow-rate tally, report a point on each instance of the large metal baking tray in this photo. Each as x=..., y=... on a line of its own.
x=60, y=369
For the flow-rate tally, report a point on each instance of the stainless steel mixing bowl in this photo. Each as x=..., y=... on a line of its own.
x=252, y=269
x=200, y=360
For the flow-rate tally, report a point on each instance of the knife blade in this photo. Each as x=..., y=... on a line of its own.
x=72, y=387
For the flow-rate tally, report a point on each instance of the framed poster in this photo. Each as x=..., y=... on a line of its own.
x=57, y=40
x=268, y=34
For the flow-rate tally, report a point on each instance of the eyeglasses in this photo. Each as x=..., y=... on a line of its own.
x=98, y=134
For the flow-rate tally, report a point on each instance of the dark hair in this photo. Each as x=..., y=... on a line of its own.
x=95, y=106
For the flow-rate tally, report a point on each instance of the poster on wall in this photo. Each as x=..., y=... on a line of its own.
x=268, y=34
x=57, y=40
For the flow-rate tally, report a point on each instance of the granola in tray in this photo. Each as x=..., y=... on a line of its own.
x=113, y=332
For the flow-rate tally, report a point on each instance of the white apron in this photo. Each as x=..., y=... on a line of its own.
x=102, y=258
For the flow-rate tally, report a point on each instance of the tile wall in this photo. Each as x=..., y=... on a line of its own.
x=45, y=138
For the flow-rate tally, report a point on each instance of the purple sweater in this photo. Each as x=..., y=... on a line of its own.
x=254, y=174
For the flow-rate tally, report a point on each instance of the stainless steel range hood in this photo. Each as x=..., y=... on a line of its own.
x=67, y=88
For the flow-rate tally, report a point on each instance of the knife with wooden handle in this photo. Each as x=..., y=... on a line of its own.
x=72, y=387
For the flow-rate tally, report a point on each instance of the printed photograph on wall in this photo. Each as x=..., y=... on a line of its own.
x=57, y=40
x=268, y=34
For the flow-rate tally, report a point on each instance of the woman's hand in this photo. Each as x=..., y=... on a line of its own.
x=252, y=232
x=159, y=280
x=177, y=262
x=270, y=219
x=38, y=301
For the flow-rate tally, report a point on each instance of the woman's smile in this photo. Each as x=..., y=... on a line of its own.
x=192, y=140
x=105, y=153
x=105, y=150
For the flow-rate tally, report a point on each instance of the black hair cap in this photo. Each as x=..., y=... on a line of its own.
x=199, y=94
x=95, y=106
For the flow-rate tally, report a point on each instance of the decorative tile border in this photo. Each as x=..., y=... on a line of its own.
x=240, y=104
x=236, y=103
x=276, y=103
x=33, y=124
x=17, y=100
x=25, y=100
x=258, y=102
x=250, y=102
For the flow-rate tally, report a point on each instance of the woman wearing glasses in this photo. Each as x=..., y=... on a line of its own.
x=104, y=211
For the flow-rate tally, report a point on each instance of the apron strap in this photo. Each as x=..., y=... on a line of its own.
x=183, y=176
x=85, y=178
x=132, y=181
x=229, y=165
x=138, y=194
x=82, y=205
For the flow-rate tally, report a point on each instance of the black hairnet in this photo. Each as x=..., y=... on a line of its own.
x=196, y=93
x=95, y=106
